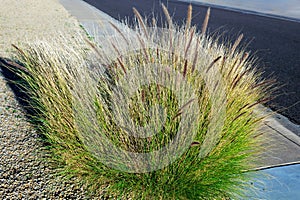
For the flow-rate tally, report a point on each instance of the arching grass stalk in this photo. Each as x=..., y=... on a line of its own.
x=158, y=113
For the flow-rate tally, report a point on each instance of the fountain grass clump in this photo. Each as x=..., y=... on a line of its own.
x=81, y=100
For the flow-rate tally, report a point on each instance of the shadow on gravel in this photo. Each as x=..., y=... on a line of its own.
x=10, y=70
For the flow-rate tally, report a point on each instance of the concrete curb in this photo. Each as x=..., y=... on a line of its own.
x=281, y=124
x=94, y=21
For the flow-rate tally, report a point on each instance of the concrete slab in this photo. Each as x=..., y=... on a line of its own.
x=279, y=149
x=284, y=125
x=84, y=11
x=94, y=21
x=282, y=9
x=281, y=142
x=279, y=183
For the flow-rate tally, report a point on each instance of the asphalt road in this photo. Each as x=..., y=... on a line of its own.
x=275, y=42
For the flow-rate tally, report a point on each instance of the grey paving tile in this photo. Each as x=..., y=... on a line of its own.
x=278, y=148
x=279, y=183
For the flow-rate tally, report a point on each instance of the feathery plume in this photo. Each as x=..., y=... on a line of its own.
x=236, y=43
x=196, y=55
x=167, y=14
x=185, y=68
x=122, y=65
x=140, y=20
x=213, y=62
x=189, y=17
x=189, y=42
x=119, y=31
x=205, y=22
x=96, y=50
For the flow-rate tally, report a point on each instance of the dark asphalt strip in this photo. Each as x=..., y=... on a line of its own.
x=276, y=42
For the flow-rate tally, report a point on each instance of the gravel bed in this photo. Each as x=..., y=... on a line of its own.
x=24, y=172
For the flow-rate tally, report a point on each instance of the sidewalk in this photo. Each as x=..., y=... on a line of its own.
x=279, y=130
x=281, y=9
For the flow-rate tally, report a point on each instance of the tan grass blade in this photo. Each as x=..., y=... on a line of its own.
x=116, y=49
x=19, y=50
x=205, y=22
x=120, y=32
x=261, y=101
x=185, y=68
x=237, y=78
x=232, y=68
x=196, y=55
x=122, y=65
x=141, y=21
x=189, y=17
x=213, y=62
x=241, y=114
x=167, y=14
x=144, y=47
x=236, y=43
x=223, y=63
x=195, y=143
x=10, y=64
x=93, y=47
x=170, y=23
x=267, y=82
x=235, y=68
x=154, y=23
x=180, y=110
x=177, y=115
x=189, y=42
x=186, y=104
